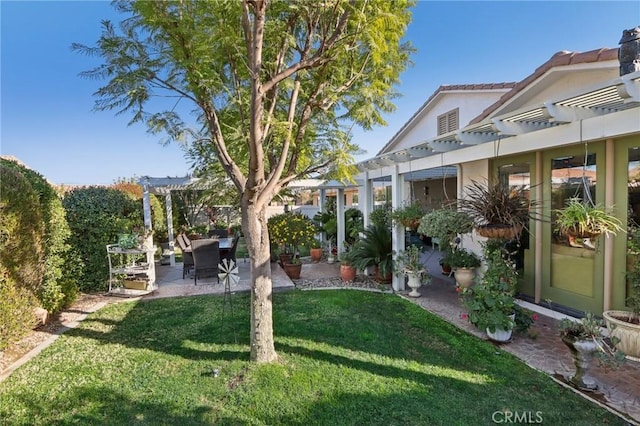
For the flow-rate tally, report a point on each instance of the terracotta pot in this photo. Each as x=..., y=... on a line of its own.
x=284, y=258
x=347, y=272
x=316, y=254
x=293, y=270
x=446, y=269
x=386, y=279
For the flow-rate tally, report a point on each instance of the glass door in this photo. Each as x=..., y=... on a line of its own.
x=574, y=270
x=517, y=173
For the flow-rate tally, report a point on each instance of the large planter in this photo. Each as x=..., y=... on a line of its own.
x=316, y=254
x=293, y=270
x=347, y=272
x=414, y=283
x=284, y=258
x=501, y=335
x=628, y=333
x=464, y=276
x=382, y=279
x=582, y=352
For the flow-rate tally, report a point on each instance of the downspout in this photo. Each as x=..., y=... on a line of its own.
x=608, y=241
x=538, y=233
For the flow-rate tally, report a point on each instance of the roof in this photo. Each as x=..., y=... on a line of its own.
x=559, y=59
x=447, y=88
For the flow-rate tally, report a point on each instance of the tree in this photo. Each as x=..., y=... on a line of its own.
x=275, y=86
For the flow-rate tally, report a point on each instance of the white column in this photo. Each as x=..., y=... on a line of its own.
x=322, y=202
x=169, y=210
x=146, y=209
x=397, y=230
x=365, y=199
x=340, y=219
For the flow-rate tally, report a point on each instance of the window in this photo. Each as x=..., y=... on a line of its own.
x=448, y=122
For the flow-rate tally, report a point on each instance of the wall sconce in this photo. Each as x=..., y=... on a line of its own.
x=426, y=191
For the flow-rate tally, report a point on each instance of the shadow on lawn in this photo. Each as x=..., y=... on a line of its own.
x=164, y=325
x=371, y=323
x=106, y=406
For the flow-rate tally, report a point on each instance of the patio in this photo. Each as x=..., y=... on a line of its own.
x=618, y=390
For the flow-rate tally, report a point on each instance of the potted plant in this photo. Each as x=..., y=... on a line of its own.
x=374, y=249
x=409, y=264
x=445, y=224
x=625, y=325
x=347, y=269
x=491, y=304
x=408, y=215
x=581, y=220
x=315, y=251
x=291, y=231
x=585, y=340
x=498, y=210
x=464, y=264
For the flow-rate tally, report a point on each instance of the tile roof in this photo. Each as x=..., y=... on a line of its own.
x=562, y=58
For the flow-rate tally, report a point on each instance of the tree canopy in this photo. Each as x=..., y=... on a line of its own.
x=265, y=90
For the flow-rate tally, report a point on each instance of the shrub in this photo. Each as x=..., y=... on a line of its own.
x=16, y=310
x=21, y=230
x=59, y=285
x=96, y=216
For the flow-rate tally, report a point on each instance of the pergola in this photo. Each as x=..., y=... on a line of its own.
x=164, y=186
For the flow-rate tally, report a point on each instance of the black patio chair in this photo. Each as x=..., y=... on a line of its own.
x=231, y=253
x=206, y=257
x=220, y=233
x=187, y=256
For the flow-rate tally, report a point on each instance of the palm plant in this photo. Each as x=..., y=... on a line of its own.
x=374, y=249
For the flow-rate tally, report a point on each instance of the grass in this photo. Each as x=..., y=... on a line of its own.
x=346, y=357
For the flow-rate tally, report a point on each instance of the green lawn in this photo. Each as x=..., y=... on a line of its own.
x=347, y=357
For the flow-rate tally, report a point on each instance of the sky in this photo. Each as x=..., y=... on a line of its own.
x=46, y=117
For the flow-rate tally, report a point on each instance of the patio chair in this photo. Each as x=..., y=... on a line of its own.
x=231, y=253
x=187, y=256
x=206, y=257
x=220, y=233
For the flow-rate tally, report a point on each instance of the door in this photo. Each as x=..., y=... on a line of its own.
x=519, y=171
x=573, y=267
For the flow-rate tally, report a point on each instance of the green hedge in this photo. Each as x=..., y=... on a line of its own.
x=21, y=230
x=21, y=254
x=96, y=215
x=59, y=285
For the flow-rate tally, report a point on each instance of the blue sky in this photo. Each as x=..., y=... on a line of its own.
x=46, y=117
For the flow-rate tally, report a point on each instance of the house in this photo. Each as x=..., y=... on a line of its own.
x=571, y=128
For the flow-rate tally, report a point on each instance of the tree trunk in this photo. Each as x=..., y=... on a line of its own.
x=257, y=239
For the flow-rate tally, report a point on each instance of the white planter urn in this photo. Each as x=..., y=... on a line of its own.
x=413, y=281
x=464, y=276
x=501, y=335
x=628, y=333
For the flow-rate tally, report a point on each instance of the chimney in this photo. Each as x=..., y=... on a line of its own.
x=629, y=52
